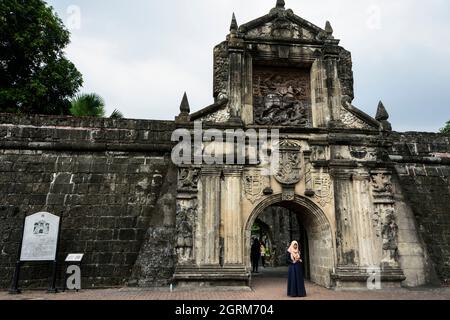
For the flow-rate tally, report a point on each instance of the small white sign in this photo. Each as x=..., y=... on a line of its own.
x=40, y=237
x=75, y=257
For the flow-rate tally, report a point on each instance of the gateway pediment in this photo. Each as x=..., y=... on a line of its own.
x=282, y=24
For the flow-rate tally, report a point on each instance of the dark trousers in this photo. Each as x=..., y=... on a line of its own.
x=263, y=260
x=255, y=263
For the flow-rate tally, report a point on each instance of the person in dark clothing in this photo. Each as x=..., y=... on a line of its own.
x=296, y=282
x=255, y=254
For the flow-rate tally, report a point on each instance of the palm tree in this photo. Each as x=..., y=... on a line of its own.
x=116, y=114
x=88, y=105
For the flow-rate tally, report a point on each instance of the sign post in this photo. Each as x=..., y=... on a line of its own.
x=15, y=282
x=39, y=244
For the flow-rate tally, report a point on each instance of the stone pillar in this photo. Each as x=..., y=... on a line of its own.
x=385, y=213
x=231, y=216
x=235, y=83
x=186, y=214
x=208, y=240
x=331, y=57
x=319, y=95
x=346, y=237
x=247, y=107
x=383, y=199
x=369, y=245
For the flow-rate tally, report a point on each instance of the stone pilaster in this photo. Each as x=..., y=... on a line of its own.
x=331, y=57
x=368, y=244
x=383, y=200
x=235, y=83
x=247, y=107
x=208, y=238
x=231, y=215
x=346, y=238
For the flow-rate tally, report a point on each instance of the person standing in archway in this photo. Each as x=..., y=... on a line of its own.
x=296, y=281
x=263, y=254
x=255, y=254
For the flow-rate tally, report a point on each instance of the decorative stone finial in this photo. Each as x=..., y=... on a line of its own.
x=184, y=106
x=382, y=114
x=328, y=29
x=234, y=25
x=280, y=4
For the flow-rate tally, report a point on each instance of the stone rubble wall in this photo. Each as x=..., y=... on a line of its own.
x=423, y=169
x=107, y=179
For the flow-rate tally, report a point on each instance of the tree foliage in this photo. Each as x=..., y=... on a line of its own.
x=117, y=114
x=88, y=105
x=446, y=129
x=35, y=75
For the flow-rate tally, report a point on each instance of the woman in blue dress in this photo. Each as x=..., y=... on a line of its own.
x=296, y=282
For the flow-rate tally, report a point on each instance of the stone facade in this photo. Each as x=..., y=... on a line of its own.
x=365, y=196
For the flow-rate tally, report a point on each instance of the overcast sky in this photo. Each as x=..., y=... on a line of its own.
x=141, y=55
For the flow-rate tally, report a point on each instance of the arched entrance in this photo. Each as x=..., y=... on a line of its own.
x=317, y=241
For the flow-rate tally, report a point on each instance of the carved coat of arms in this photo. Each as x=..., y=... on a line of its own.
x=323, y=189
x=289, y=171
x=254, y=185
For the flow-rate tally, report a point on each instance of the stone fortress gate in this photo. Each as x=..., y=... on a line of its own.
x=282, y=72
x=370, y=201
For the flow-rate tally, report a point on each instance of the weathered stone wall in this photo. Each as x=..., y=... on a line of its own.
x=110, y=181
x=423, y=168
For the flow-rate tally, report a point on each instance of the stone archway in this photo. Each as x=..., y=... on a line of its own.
x=320, y=236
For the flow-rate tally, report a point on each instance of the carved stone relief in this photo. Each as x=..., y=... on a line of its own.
x=384, y=218
x=318, y=153
x=288, y=194
x=188, y=179
x=220, y=116
x=323, y=189
x=186, y=215
x=254, y=184
x=352, y=121
x=390, y=238
x=282, y=96
x=381, y=183
x=363, y=153
x=281, y=28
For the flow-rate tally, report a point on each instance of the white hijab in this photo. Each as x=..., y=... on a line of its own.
x=295, y=253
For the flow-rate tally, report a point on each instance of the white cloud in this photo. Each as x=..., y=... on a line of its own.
x=142, y=55
x=147, y=88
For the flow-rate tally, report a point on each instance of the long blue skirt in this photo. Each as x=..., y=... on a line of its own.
x=296, y=281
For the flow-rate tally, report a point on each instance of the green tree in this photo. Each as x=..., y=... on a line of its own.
x=117, y=114
x=446, y=129
x=88, y=105
x=35, y=75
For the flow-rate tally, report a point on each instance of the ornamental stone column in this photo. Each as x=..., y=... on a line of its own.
x=208, y=237
x=346, y=237
x=369, y=244
x=232, y=216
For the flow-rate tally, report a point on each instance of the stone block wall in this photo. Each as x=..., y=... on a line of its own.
x=112, y=183
x=422, y=162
